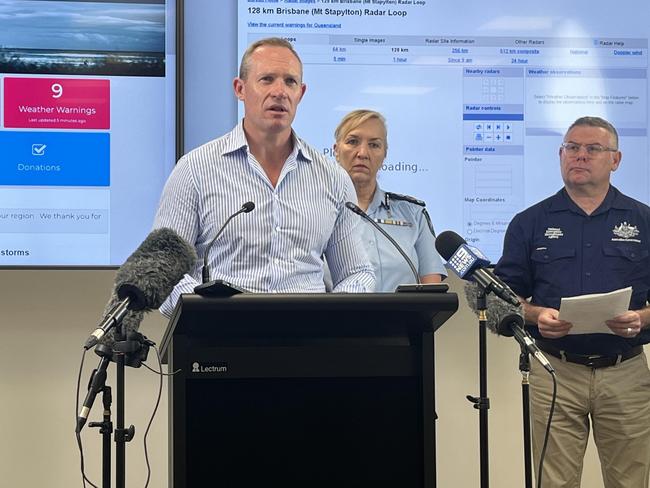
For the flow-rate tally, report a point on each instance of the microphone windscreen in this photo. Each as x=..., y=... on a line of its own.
x=149, y=275
x=130, y=322
x=504, y=327
x=497, y=310
x=248, y=207
x=447, y=243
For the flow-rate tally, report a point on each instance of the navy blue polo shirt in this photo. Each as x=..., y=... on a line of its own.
x=554, y=250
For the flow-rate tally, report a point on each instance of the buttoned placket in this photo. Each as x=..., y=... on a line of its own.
x=277, y=241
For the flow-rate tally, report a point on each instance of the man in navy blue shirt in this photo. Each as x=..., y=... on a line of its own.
x=587, y=238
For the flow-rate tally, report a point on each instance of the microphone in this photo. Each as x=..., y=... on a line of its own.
x=512, y=326
x=146, y=279
x=504, y=319
x=467, y=262
x=95, y=385
x=358, y=211
x=206, y=285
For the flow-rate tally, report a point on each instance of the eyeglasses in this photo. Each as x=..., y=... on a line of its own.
x=592, y=149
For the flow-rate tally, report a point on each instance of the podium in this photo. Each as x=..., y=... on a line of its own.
x=303, y=390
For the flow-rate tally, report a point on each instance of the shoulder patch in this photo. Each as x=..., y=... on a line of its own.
x=406, y=198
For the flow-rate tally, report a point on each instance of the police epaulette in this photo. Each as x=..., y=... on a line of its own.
x=406, y=198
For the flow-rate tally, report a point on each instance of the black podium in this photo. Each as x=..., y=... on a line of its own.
x=303, y=390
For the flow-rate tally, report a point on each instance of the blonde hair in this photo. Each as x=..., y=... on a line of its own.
x=244, y=66
x=354, y=119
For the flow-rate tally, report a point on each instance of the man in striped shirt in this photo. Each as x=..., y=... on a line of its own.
x=299, y=194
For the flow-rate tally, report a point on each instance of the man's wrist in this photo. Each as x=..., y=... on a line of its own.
x=531, y=312
x=644, y=315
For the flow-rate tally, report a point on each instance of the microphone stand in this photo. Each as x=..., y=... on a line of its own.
x=120, y=437
x=482, y=402
x=357, y=210
x=128, y=350
x=524, y=367
x=219, y=287
x=105, y=429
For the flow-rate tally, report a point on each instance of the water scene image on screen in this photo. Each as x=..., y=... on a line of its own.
x=117, y=38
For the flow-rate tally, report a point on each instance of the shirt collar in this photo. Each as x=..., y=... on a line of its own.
x=561, y=202
x=237, y=141
x=378, y=201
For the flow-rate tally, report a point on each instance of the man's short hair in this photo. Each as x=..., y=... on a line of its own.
x=595, y=122
x=269, y=41
x=354, y=119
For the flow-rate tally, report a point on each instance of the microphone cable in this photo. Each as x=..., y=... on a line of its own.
x=505, y=313
x=84, y=478
x=548, y=430
x=357, y=210
x=161, y=374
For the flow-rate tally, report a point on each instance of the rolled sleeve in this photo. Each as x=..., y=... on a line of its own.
x=178, y=207
x=186, y=285
x=349, y=265
x=178, y=211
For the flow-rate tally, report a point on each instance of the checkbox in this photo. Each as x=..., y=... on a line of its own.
x=38, y=149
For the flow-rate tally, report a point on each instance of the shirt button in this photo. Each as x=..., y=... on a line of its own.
x=588, y=244
x=588, y=274
x=278, y=228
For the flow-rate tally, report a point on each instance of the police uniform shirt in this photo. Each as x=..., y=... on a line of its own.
x=554, y=249
x=405, y=222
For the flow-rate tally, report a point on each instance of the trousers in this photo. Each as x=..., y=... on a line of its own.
x=613, y=402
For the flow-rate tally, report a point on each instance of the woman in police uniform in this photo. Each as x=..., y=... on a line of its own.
x=361, y=145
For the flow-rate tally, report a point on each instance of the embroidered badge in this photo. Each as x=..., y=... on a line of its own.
x=553, y=233
x=625, y=232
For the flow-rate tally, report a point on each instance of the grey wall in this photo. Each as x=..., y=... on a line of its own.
x=45, y=317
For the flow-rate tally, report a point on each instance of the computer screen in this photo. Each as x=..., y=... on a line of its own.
x=87, y=129
x=477, y=95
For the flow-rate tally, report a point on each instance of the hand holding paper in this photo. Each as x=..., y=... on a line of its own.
x=588, y=313
x=627, y=325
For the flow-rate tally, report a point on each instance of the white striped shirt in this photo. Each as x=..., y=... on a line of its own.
x=277, y=247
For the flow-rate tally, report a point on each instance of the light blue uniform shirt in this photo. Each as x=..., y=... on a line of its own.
x=405, y=222
x=277, y=247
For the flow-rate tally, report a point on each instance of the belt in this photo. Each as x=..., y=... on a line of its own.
x=592, y=360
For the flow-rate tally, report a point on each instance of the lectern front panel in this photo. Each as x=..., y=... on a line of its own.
x=331, y=390
x=303, y=432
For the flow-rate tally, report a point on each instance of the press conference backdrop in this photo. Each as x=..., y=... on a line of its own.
x=477, y=97
x=87, y=134
x=476, y=100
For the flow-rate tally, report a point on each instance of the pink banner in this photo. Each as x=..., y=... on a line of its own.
x=57, y=103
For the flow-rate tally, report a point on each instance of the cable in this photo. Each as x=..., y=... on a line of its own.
x=153, y=414
x=160, y=374
x=548, y=430
x=155, y=409
x=78, y=434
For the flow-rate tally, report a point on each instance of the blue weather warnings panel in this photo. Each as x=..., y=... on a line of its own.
x=54, y=158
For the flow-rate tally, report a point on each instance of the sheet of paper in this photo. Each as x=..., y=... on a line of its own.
x=588, y=313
